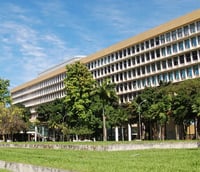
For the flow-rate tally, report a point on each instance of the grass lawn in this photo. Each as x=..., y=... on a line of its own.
x=122, y=161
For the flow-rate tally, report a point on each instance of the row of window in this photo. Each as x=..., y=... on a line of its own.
x=32, y=91
x=176, y=75
x=41, y=92
x=152, y=43
x=53, y=80
x=145, y=69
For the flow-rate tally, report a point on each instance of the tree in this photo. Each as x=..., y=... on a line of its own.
x=11, y=121
x=4, y=92
x=107, y=94
x=52, y=114
x=79, y=87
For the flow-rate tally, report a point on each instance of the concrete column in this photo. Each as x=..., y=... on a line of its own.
x=129, y=132
x=36, y=133
x=43, y=133
x=116, y=134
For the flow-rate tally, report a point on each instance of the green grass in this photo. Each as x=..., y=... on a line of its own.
x=4, y=170
x=122, y=161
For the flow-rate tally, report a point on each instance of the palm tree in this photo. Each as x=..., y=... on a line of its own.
x=107, y=95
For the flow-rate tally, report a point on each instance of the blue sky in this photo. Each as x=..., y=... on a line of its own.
x=36, y=35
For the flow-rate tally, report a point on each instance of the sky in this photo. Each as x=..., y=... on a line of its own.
x=36, y=35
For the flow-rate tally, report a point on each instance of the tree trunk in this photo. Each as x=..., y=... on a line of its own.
x=177, y=132
x=122, y=132
x=104, y=126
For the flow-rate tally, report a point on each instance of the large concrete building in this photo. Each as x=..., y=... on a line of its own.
x=169, y=52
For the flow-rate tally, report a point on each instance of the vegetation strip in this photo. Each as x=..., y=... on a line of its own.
x=162, y=160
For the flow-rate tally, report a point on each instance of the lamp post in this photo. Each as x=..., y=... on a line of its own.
x=140, y=128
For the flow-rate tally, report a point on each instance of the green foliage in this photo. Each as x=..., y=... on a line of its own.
x=4, y=92
x=79, y=86
x=51, y=113
x=11, y=120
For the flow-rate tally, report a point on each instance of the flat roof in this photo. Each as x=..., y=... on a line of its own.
x=168, y=26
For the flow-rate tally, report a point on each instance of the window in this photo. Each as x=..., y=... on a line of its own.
x=158, y=53
x=125, y=75
x=174, y=35
x=187, y=44
x=175, y=61
x=120, y=65
x=188, y=58
x=117, y=66
x=143, y=70
x=180, y=34
x=138, y=71
x=186, y=31
x=128, y=51
x=164, y=64
x=176, y=75
x=120, y=54
x=142, y=57
x=158, y=65
x=112, y=68
x=182, y=59
x=142, y=46
x=180, y=46
x=154, y=80
x=133, y=60
x=148, y=81
x=138, y=48
x=133, y=50
x=198, y=39
x=169, y=50
x=189, y=72
x=153, y=67
x=175, y=50
x=198, y=25
x=147, y=44
x=138, y=59
x=152, y=55
x=121, y=76
x=162, y=38
x=193, y=42
x=152, y=42
x=169, y=62
x=133, y=72
x=170, y=76
x=196, y=70
x=124, y=52
x=129, y=62
x=157, y=41
x=165, y=77
x=105, y=70
x=116, y=55
x=194, y=55
x=147, y=56
x=125, y=65
x=129, y=74
x=112, y=57
x=163, y=51
x=148, y=68
x=183, y=74
x=192, y=28
x=168, y=39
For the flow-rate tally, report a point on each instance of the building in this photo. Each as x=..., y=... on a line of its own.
x=169, y=52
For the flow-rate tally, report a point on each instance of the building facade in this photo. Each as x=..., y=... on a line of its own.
x=169, y=52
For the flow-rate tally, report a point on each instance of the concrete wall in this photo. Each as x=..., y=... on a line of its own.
x=112, y=147
x=18, y=167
